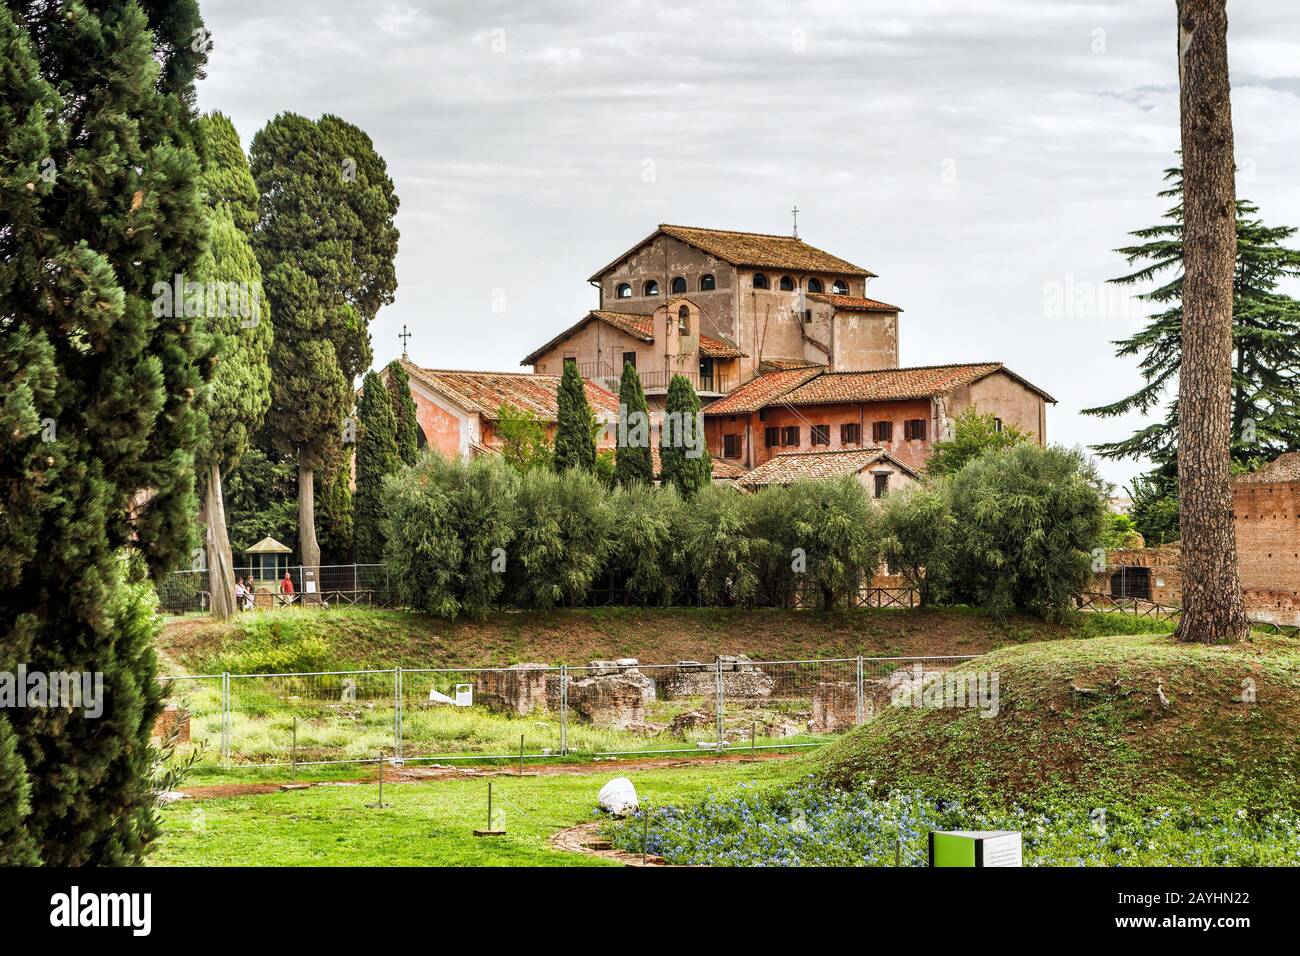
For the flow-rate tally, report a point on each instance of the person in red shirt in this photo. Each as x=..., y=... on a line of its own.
x=286, y=589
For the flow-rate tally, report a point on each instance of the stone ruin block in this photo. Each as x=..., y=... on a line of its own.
x=520, y=689
x=834, y=707
x=741, y=680
x=612, y=700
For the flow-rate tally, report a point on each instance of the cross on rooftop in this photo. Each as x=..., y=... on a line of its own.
x=404, y=335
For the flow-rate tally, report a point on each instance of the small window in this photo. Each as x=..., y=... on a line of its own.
x=790, y=436
x=881, y=483
x=850, y=433
x=997, y=424
x=815, y=285
x=787, y=284
x=624, y=291
x=771, y=437
x=650, y=288
x=840, y=287
x=760, y=281
x=678, y=285
x=570, y=360
x=629, y=358
x=820, y=434
x=683, y=321
x=707, y=283
x=730, y=446
x=882, y=431
x=914, y=429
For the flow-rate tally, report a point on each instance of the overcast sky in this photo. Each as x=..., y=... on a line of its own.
x=982, y=158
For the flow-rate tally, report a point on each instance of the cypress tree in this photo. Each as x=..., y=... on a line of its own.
x=682, y=433
x=377, y=458
x=335, y=517
x=575, y=443
x=100, y=204
x=633, y=464
x=326, y=242
x=399, y=388
x=239, y=393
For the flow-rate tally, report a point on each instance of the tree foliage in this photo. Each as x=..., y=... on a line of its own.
x=1265, y=339
x=973, y=433
x=377, y=458
x=646, y=561
x=522, y=435
x=575, y=443
x=684, y=460
x=408, y=427
x=326, y=242
x=918, y=538
x=1025, y=525
x=633, y=463
x=99, y=204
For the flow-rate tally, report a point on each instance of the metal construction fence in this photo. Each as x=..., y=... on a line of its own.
x=533, y=711
x=371, y=585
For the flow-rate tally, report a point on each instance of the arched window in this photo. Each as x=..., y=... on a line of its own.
x=760, y=281
x=815, y=285
x=840, y=287
x=624, y=291
x=678, y=285
x=650, y=288
x=787, y=284
x=707, y=283
x=683, y=321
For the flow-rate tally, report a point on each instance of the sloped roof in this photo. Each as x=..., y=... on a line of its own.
x=268, y=545
x=785, y=469
x=639, y=326
x=485, y=392
x=820, y=387
x=722, y=470
x=1285, y=467
x=755, y=249
x=785, y=364
x=761, y=391
x=853, y=303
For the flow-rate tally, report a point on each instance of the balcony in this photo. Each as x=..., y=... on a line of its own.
x=655, y=382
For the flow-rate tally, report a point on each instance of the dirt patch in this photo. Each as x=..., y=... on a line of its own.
x=431, y=772
x=575, y=636
x=585, y=838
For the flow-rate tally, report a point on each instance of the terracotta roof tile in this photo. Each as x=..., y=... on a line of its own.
x=638, y=326
x=853, y=303
x=785, y=364
x=1285, y=467
x=761, y=391
x=891, y=384
x=790, y=467
x=485, y=392
x=755, y=249
x=722, y=470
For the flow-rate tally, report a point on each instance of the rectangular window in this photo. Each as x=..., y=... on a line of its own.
x=629, y=358
x=997, y=424
x=850, y=433
x=914, y=429
x=882, y=431
x=882, y=483
x=790, y=436
x=820, y=434
x=730, y=446
x=571, y=359
x=771, y=437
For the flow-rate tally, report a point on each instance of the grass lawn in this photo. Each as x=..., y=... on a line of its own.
x=427, y=823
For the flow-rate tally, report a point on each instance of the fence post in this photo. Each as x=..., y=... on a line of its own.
x=564, y=709
x=718, y=689
x=861, y=688
x=397, y=713
x=225, y=717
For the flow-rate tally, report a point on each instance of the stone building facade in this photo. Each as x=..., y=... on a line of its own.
x=1266, y=506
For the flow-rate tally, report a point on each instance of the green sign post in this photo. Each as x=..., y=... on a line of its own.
x=975, y=848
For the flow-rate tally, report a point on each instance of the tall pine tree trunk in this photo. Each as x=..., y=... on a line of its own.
x=1212, y=603
x=221, y=572
x=308, y=549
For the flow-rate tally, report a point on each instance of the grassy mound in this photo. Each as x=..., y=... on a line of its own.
x=1084, y=720
x=285, y=640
